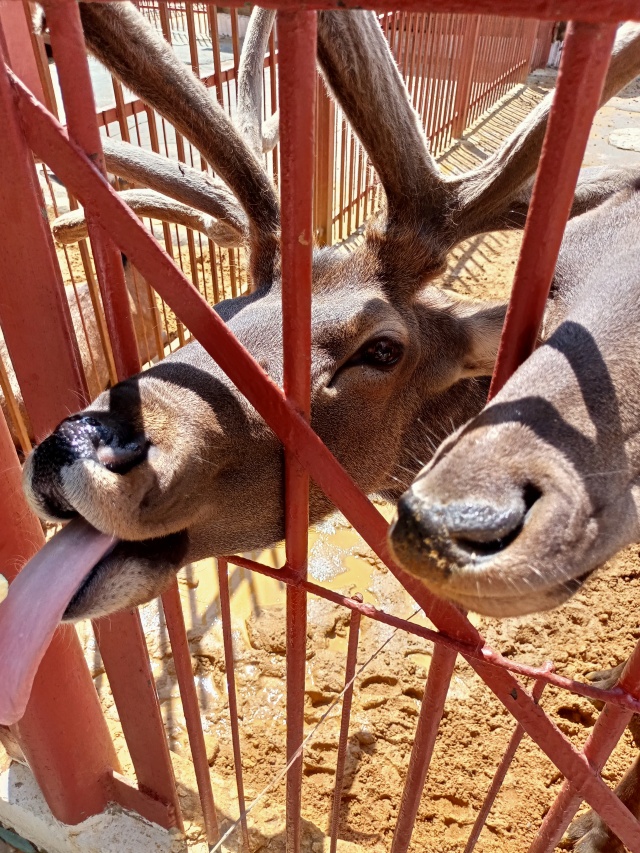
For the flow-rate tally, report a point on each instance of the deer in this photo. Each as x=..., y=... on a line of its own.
x=174, y=462
x=521, y=505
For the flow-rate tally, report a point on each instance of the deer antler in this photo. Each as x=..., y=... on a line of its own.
x=250, y=73
x=358, y=66
x=127, y=45
x=72, y=226
x=485, y=194
x=193, y=188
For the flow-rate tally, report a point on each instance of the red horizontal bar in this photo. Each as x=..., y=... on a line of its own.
x=592, y=11
x=616, y=696
x=125, y=793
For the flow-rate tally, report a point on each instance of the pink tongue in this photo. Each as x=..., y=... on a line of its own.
x=34, y=606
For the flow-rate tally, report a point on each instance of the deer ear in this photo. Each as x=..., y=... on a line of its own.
x=482, y=324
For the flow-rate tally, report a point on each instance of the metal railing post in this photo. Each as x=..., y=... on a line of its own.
x=325, y=161
x=463, y=86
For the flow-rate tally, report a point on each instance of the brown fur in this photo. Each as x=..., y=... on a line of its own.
x=175, y=461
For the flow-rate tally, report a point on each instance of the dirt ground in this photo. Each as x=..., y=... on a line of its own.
x=594, y=630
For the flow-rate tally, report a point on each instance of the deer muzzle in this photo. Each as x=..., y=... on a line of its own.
x=501, y=532
x=102, y=440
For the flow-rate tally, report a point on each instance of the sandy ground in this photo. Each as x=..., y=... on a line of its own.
x=594, y=630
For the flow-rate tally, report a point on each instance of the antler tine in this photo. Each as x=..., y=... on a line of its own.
x=485, y=194
x=189, y=186
x=360, y=70
x=72, y=226
x=271, y=132
x=123, y=40
x=250, y=72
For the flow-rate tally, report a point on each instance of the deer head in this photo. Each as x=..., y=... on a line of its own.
x=175, y=462
x=520, y=506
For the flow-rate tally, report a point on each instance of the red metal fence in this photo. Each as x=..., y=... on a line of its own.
x=62, y=732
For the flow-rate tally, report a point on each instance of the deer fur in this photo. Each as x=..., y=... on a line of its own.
x=175, y=462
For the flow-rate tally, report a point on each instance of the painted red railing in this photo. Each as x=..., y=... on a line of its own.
x=79, y=781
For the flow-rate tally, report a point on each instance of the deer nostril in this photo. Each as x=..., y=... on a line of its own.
x=105, y=439
x=485, y=529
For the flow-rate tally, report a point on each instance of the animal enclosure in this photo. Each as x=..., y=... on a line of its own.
x=52, y=385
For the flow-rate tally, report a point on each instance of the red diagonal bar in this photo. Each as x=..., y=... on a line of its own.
x=500, y=775
x=615, y=697
x=49, y=141
x=585, y=59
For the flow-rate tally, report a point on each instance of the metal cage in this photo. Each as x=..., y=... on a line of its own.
x=63, y=733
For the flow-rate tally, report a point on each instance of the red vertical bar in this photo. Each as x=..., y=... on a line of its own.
x=583, y=67
x=501, y=773
x=18, y=42
x=63, y=733
x=350, y=670
x=67, y=43
x=182, y=660
x=225, y=612
x=296, y=95
x=435, y=695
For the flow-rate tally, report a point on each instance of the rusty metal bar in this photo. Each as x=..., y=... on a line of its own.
x=174, y=619
x=229, y=667
x=583, y=68
x=349, y=675
x=296, y=95
x=435, y=695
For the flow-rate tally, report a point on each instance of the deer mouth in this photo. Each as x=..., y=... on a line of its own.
x=522, y=554
x=131, y=574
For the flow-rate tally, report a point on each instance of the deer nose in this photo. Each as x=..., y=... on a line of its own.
x=104, y=439
x=98, y=437
x=460, y=529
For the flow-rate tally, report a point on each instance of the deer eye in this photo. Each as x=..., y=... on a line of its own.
x=381, y=353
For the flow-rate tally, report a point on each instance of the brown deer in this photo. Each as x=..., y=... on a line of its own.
x=174, y=462
x=524, y=502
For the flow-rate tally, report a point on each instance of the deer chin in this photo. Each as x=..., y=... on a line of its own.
x=132, y=574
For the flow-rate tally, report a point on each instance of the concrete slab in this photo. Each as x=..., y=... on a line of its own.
x=22, y=808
